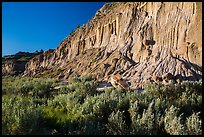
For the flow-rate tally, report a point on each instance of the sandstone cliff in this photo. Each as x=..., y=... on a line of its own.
x=136, y=39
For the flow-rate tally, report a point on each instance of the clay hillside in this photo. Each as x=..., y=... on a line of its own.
x=138, y=40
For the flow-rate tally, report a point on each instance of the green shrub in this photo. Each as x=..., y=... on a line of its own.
x=85, y=85
x=144, y=124
x=58, y=70
x=172, y=122
x=19, y=115
x=193, y=124
x=37, y=87
x=116, y=125
x=78, y=108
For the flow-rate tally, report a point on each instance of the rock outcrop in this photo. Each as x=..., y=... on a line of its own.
x=136, y=39
x=13, y=67
x=15, y=64
x=118, y=82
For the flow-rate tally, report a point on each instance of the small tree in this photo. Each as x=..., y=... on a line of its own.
x=41, y=51
x=72, y=32
x=78, y=26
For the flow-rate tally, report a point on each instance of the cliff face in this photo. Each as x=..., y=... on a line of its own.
x=13, y=67
x=137, y=39
x=15, y=64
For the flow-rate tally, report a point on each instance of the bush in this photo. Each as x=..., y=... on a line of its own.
x=19, y=115
x=172, y=122
x=79, y=109
x=37, y=87
x=193, y=124
x=83, y=85
x=58, y=70
x=144, y=124
x=116, y=125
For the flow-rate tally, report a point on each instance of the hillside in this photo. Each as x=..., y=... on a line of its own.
x=15, y=64
x=139, y=40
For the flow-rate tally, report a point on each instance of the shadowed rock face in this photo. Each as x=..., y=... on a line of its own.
x=13, y=67
x=137, y=39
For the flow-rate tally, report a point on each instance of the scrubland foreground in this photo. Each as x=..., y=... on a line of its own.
x=30, y=107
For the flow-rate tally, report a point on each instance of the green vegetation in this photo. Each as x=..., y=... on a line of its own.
x=78, y=26
x=75, y=30
x=58, y=70
x=72, y=32
x=29, y=107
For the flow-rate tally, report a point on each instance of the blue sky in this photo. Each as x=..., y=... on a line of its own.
x=31, y=26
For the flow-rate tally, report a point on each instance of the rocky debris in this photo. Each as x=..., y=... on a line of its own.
x=166, y=78
x=118, y=81
x=156, y=78
x=55, y=88
x=147, y=38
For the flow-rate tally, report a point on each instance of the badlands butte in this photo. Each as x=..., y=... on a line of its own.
x=139, y=40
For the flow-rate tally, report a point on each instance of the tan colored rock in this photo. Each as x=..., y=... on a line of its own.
x=156, y=78
x=118, y=81
x=167, y=77
x=145, y=42
x=175, y=30
x=13, y=67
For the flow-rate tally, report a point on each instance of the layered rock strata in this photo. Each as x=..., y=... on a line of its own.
x=136, y=39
